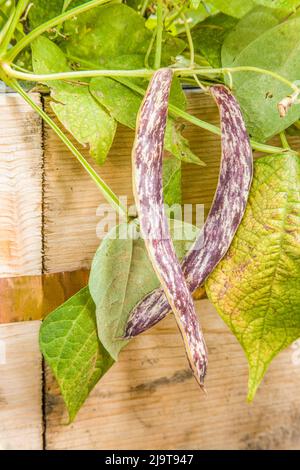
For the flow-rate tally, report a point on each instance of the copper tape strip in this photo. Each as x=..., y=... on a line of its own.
x=33, y=297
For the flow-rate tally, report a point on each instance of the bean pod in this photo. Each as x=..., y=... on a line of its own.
x=225, y=215
x=148, y=191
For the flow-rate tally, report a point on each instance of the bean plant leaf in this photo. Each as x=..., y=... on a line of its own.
x=259, y=94
x=43, y=10
x=172, y=181
x=124, y=104
x=256, y=287
x=289, y=5
x=104, y=33
x=70, y=345
x=73, y=104
x=249, y=28
x=209, y=35
x=237, y=8
x=121, y=275
x=195, y=3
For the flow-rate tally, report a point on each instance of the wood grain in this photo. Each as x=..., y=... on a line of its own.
x=20, y=188
x=21, y=417
x=149, y=400
x=71, y=200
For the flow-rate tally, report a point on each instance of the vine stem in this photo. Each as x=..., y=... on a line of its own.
x=180, y=113
x=241, y=68
x=51, y=24
x=184, y=72
x=32, y=77
x=284, y=140
x=21, y=6
x=190, y=40
x=144, y=7
x=174, y=111
x=177, y=112
x=192, y=49
x=109, y=195
x=159, y=34
x=5, y=28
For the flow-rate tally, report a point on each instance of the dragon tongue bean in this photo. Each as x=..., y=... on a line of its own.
x=225, y=215
x=147, y=178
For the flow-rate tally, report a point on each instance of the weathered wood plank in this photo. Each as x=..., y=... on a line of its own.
x=71, y=198
x=150, y=401
x=21, y=417
x=20, y=187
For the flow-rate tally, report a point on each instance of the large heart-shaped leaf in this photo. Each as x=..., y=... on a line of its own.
x=249, y=28
x=208, y=37
x=121, y=275
x=104, y=33
x=70, y=345
x=256, y=287
x=259, y=94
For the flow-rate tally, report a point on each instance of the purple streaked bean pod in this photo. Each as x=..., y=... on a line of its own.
x=148, y=191
x=225, y=215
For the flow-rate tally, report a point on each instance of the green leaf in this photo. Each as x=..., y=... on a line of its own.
x=250, y=27
x=209, y=36
x=73, y=104
x=177, y=145
x=289, y=5
x=124, y=103
x=104, y=33
x=135, y=4
x=121, y=275
x=237, y=8
x=70, y=345
x=256, y=287
x=43, y=10
x=259, y=94
x=195, y=3
x=172, y=181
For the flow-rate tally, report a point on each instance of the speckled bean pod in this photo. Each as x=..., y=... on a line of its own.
x=223, y=219
x=148, y=191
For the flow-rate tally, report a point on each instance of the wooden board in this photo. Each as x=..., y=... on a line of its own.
x=20, y=188
x=71, y=198
x=150, y=401
x=21, y=420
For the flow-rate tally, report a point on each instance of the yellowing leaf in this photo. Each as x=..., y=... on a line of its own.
x=256, y=287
